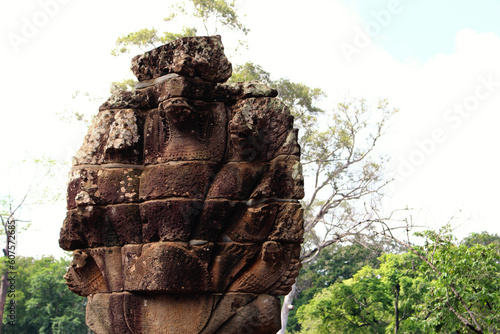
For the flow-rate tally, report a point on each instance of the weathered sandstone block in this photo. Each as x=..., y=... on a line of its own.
x=169, y=220
x=201, y=57
x=114, y=137
x=101, y=186
x=186, y=179
x=128, y=313
x=185, y=130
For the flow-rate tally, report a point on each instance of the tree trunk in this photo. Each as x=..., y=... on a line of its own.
x=286, y=307
x=396, y=309
x=4, y=282
x=4, y=286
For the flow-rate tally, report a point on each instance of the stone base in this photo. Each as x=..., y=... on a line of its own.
x=232, y=313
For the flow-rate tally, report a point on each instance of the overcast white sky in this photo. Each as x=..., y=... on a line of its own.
x=438, y=61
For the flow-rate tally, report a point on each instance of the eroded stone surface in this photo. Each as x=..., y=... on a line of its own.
x=201, y=57
x=115, y=136
x=186, y=220
x=181, y=267
x=167, y=313
x=261, y=129
x=101, y=186
x=183, y=201
x=167, y=267
x=185, y=130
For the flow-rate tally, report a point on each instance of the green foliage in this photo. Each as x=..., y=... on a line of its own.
x=365, y=303
x=357, y=305
x=220, y=11
x=43, y=302
x=300, y=98
x=22, y=267
x=142, y=38
x=484, y=238
x=211, y=13
x=400, y=273
x=185, y=32
x=250, y=72
x=463, y=293
x=303, y=103
x=334, y=264
x=341, y=262
x=127, y=84
x=440, y=287
x=148, y=38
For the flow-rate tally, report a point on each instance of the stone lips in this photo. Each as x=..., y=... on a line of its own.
x=186, y=189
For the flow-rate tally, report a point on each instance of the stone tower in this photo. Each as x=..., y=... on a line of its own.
x=183, y=201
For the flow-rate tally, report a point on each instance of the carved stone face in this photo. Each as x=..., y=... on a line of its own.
x=184, y=130
x=83, y=276
x=185, y=187
x=271, y=251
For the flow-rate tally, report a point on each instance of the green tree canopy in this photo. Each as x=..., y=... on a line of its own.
x=358, y=305
x=334, y=264
x=43, y=302
x=484, y=238
x=440, y=287
x=463, y=295
x=374, y=300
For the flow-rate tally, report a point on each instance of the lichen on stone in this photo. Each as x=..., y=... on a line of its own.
x=123, y=131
